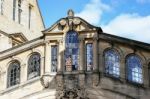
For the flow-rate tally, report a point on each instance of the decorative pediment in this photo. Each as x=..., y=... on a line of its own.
x=70, y=23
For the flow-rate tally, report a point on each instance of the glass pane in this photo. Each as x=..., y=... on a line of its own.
x=14, y=74
x=112, y=63
x=34, y=66
x=53, y=58
x=134, y=69
x=89, y=57
x=71, y=51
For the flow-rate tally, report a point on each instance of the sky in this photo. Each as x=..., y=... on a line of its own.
x=125, y=18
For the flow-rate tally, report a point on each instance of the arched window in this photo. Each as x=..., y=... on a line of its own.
x=34, y=65
x=112, y=63
x=13, y=74
x=72, y=51
x=134, y=69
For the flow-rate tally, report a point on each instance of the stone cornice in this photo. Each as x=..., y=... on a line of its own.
x=21, y=48
x=124, y=41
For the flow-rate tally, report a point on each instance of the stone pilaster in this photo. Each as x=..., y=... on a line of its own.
x=122, y=70
x=60, y=56
x=81, y=55
x=145, y=76
x=47, y=58
x=95, y=54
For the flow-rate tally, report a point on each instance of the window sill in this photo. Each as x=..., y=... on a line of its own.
x=113, y=77
x=53, y=73
x=9, y=89
x=135, y=84
x=20, y=85
x=71, y=72
x=29, y=81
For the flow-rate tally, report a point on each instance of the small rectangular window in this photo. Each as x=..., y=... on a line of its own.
x=19, y=11
x=89, y=56
x=54, y=57
x=29, y=21
x=14, y=9
x=1, y=6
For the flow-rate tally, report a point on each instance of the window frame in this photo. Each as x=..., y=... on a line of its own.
x=29, y=68
x=71, y=48
x=17, y=74
x=55, y=46
x=90, y=53
x=127, y=70
x=113, y=75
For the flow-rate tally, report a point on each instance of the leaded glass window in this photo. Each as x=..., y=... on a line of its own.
x=34, y=66
x=134, y=69
x=19, y=11
x=54, y=58
x=112, y=63
x=89, y=56
x=72, y=51
x=13, y=74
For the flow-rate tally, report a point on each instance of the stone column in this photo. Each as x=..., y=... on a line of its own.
x=101, y=62
x=47, y=58
x=81, y=55
x=46, y=78
x=122, y=69
x=95, y=54
x=95, y=76
x=145, y=75
x=60, y=56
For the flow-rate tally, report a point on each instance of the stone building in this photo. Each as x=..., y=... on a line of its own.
x=75, y=60
x=20, y=21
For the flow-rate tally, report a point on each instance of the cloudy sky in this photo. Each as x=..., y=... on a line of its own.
x=125, y=18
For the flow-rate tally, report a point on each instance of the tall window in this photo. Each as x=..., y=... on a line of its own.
x=14, y=9
x=134, y=69
x=34, y=66
x=19, y=11
x=112, y=63
x=89, y=57
x=1, y=6
x=29, y=21
x=54, y=58
x=72, y=51
x=13, y=74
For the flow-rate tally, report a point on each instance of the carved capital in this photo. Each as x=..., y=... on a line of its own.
x=81, y=39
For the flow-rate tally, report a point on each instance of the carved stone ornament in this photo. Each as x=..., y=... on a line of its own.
x=45, y=81
x=95, y=80
x=63, y=22
x=71, y=90
x=70, y=13
x=76, y=21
